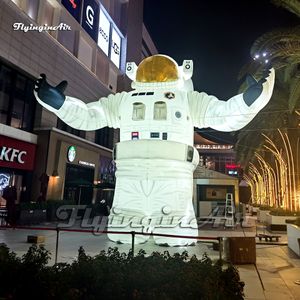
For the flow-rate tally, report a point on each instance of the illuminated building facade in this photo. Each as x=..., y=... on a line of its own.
x=216, y=175
x=87, y=43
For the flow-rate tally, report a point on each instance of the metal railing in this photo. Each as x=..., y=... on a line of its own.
x=132, y=233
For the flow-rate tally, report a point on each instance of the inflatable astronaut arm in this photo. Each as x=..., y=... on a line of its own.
x=234, y=114
x=74, y=112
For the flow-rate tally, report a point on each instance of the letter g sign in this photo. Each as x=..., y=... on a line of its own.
x=90, y=15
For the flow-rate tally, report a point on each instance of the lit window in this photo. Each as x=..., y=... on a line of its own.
x=160, y=111
x=32, y=9
x=138, y=112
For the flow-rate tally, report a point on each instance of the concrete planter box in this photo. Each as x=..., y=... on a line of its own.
x=293, y=234
x=254, y=210
x=277, y=223
x=262, y=215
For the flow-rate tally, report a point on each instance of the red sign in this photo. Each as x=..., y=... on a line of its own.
x=134, y=135
x=232, y=166
x=16, y=154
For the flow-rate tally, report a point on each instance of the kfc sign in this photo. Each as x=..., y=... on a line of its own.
x=13, y=155
x=16, y=154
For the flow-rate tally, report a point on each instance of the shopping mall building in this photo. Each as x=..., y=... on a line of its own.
x=87, y=43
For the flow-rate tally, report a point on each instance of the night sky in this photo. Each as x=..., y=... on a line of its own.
x=216, y=35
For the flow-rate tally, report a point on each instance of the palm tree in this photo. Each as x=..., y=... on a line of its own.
x=283, y=111
x=291, y=5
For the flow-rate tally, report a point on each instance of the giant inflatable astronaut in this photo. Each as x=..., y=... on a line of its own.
x=155, y=157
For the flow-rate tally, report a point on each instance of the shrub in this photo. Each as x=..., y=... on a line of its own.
x=265, y=207
x=115, y=275
x=283, y=212
x=32, y=205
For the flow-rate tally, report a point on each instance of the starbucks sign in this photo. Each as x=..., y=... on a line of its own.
x=71, y=153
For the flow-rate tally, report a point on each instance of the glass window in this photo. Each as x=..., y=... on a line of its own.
x=32, y=9
x=5, y=88
x=17, y=102
x=65, y=37
x=105, y=137
x=85, y=52
x=138, y=112
x=48, y=14
x=115, y=48
x=104, y=31
x=160, y=110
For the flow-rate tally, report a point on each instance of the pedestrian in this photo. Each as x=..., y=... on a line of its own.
x=10, y=194
x=105, y=209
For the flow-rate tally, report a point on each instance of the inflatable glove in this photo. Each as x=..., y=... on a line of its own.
x=255, y=88
x=52, y=96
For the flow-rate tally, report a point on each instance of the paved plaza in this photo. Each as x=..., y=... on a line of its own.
x=273, y=277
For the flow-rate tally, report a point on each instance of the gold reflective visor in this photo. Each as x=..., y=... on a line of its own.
x=157, y=68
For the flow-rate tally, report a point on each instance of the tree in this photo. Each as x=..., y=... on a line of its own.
x=283, y=111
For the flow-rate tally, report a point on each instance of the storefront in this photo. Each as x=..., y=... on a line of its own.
x=210, y=189
x=17, y=161
x=69, y=167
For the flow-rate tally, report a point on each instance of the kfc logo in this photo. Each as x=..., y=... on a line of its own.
x=12, y=155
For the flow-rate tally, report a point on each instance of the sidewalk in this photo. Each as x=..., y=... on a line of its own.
x=277, y=267
x=277, y=270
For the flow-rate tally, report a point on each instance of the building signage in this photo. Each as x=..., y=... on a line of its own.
x=115, y=51
x=4, y=181
x=71, y=153
x=73, y=7
x=16, y=154
x=90, y=18
x=85, y=163
x=104, y=32
x=232, y=166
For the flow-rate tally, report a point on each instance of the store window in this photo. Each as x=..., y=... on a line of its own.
x=160, y=110
x=17, y=102
x=105, y=137
x=138, y=112
x=78, y=184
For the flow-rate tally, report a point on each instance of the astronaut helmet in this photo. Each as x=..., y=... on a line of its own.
x=160, y=70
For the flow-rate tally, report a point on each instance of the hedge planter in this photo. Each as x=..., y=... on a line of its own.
x=115, y=275
x=26, y=217
x=262, y=215
x=32, y=216
x=278, y=223
x=39, y=216
x=293, y=233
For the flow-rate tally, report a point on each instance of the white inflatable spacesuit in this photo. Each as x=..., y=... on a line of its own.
x=155, y=157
